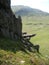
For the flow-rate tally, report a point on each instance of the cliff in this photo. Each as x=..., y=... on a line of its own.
x=10, y=26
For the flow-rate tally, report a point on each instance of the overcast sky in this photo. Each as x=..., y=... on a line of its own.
x=38, y=4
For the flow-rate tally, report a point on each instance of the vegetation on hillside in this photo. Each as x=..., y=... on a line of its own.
x=38, y=24
x=12, y=52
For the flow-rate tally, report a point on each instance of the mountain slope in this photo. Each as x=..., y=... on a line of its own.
x=11, y=51
x=31, y=18
x=27, y=11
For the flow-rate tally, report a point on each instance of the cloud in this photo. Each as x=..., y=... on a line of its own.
x=39, y=4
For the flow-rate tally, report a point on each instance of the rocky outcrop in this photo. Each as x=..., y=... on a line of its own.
x=5, y=3
x=10, y=26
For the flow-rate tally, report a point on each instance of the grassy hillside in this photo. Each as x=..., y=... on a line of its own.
x=37, y=22
x=13, y=52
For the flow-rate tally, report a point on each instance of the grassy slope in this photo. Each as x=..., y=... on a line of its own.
x=11, y=53
x=40, y=26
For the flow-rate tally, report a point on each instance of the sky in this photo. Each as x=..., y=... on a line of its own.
x=38, y=4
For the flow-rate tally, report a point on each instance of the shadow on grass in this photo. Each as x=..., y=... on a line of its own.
x=14, y=46
x=11, y=45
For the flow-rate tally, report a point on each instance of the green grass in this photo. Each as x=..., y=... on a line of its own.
x=39, y=26
x=42, y=38
x=13, y=52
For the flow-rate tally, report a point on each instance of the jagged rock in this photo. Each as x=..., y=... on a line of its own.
x=10, y=26
x=5, y=4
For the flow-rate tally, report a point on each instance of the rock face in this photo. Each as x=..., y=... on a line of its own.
x=10, y=26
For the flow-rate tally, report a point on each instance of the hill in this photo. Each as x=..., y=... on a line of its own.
x=31, y=18
x=27, y=11
x=12, y=52
x=37, y=24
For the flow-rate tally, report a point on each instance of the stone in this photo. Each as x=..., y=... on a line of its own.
x=22, y=62
x=10, y=26
x=5, y=3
